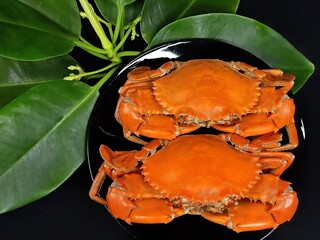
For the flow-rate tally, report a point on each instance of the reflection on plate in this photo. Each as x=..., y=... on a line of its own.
x=104, y=129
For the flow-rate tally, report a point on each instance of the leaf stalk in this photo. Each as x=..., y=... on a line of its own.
x=94, y=20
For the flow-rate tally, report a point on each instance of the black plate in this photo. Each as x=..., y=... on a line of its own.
x=104, y=129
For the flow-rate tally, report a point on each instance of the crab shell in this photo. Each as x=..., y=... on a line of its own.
x=180, y=97
x=208, y=171
x=215, y=91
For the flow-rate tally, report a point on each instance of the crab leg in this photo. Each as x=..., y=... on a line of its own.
x=142, y=76
x=97, y=182
x=260, y=143
x=109, y=168
x=119, y=162
x=142, y=73
x=263, y=146
x=275, y=162
x=269, y=77
x=293, y=138
x=116, y=164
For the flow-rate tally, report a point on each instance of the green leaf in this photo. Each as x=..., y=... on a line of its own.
x=109, y=9
x=42, y=140
x=158, y=13
x=248, y=34
x=18, y=76
x=36, y=29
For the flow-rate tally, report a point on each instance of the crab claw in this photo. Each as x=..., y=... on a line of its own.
x=139, y=202
x=265, y=123
x=250, y=214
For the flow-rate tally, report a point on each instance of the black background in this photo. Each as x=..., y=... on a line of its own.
x=68, y=213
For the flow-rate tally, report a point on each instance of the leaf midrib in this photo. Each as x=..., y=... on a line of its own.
x=60, y=34
x=186, y=9
x=27, y=83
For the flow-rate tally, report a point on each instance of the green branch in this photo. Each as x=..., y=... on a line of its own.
x=125, y=37
x=106, y=77
x=93, y=18
x=82, y=74
x=127, y=54
x=119, y=24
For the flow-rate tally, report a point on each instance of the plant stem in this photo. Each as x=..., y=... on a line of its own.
x=127, y=54
x=108, y=25
x=95, y=76
x=99, y=70
x=93, y=18
x=125, y=37
x=118, y=24
x=84, y=40
x=90, y=47
x=106, y=77
x=98, y=52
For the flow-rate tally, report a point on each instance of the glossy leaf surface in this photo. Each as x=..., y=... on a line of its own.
x=158, y=13
x=248, y=34
x=18, y=76
x=109, y=9
x=35, y=30
x=42, y=140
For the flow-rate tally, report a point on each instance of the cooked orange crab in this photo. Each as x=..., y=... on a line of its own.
x=180, y=97
x=199, y=175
